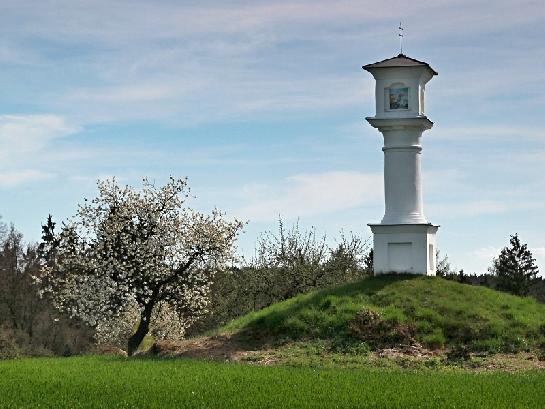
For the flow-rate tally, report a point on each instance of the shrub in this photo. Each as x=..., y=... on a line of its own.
x=9, y=348
x=459, y=353
x=435, y=340
x=370, y=326
x=515, y=268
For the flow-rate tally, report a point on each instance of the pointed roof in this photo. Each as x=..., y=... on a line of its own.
x=400, y=60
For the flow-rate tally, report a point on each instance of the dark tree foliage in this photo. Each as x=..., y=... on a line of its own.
x=30, y=325
x=515, y=268
x=368, y=262
x=444, y=268
x=537, y=290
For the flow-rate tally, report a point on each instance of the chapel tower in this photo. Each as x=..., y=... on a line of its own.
x=404, y=241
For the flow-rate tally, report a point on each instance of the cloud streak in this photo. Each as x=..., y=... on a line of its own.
x=21, y=134
x=311, y=195
x=24, y=142
x=10, y=179
x=214, y=62
x=130, y=20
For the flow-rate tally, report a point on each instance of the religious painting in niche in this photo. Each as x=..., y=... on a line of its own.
x=399, y=98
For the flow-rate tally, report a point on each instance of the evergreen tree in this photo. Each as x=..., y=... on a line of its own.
x=515, y=268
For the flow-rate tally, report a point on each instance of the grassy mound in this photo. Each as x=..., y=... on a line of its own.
x=391, y=310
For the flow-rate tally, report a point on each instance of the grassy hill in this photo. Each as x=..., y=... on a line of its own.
x=392, y=310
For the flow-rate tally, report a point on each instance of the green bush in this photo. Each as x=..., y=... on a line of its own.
x=9, y=347
x=435, y=340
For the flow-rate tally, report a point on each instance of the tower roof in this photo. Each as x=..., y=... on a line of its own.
x=400, y=60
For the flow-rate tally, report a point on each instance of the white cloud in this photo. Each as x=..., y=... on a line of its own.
x=311, y=194
x=211, y=61
x=475, y=208
x=132, y=20
x=20, y=134
x=18, y=177
x=130, y=93
x=204, y=96
x=489, y=131
x=26, y=140
x=486, y=253
x=469, y=191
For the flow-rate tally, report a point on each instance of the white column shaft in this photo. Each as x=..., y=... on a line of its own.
x=403, y=185
x=402, y=175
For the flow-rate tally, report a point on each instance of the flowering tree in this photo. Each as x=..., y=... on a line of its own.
x=135, y=256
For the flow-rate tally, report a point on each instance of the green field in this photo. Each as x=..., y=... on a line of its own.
x=108, y=382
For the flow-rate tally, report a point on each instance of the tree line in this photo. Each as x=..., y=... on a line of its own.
x=29, y=323
x=514, y=271
x=138, y=262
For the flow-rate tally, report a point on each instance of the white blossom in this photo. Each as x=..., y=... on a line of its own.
x=129, y=257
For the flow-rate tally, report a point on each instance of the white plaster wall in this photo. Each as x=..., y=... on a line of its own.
x=432, y=267
x=417, y=262
x=413, y=77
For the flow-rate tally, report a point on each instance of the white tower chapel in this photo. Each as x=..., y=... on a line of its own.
x=404, y=241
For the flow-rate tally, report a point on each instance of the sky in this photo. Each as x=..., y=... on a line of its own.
x=262, y=105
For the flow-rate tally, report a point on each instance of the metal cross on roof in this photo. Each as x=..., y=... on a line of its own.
x=400, y=38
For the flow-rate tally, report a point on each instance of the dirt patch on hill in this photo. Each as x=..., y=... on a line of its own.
x=415, y=351
x=222, y=347
x=512, y=362
x=234, y=348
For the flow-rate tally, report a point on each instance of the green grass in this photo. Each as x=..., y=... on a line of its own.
x=437, y=312
x=109, y=382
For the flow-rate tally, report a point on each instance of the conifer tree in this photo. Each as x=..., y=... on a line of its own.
x=515, y=268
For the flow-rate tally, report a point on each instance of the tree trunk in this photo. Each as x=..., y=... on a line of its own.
x=141, y=331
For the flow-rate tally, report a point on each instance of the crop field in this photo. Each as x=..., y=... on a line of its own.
x=112, y=382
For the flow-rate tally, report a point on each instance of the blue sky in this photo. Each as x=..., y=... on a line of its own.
x=262, y=104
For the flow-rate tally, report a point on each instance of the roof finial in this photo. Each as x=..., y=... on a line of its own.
x=400, y=35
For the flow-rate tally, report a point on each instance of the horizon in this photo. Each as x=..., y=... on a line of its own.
x=262, y=107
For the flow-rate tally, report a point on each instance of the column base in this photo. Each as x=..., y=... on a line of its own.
x=403, y=218
x=404, y=248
